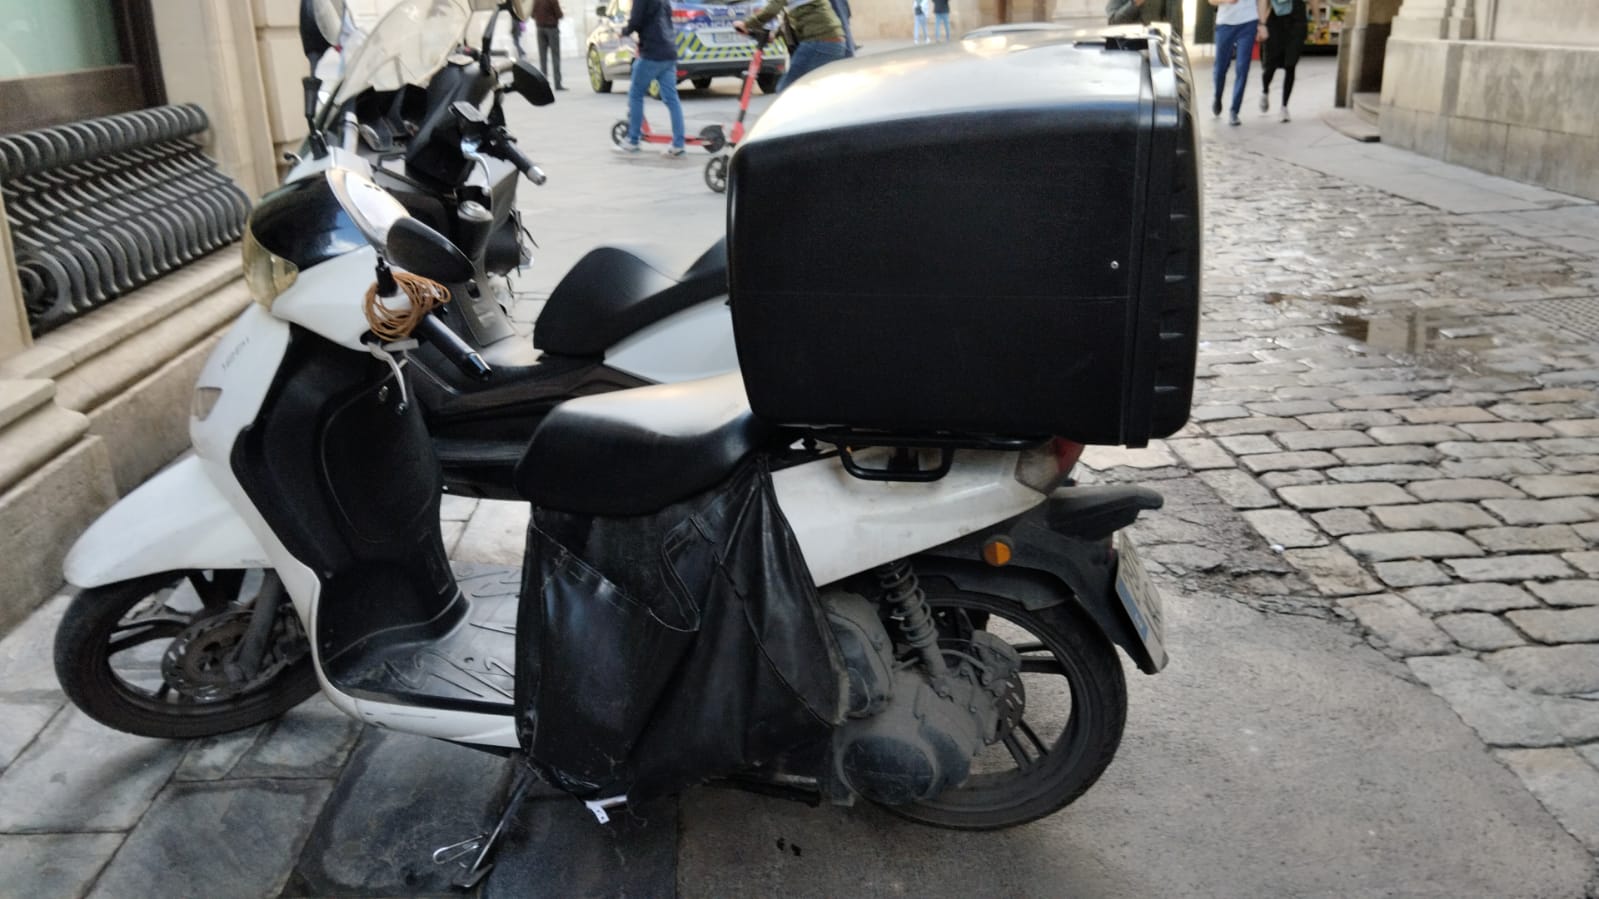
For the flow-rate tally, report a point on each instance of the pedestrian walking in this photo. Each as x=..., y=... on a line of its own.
x=1286, y=28
x=1143, y=12
x=547, y=18
x=817, y=31
x=651, y=20
x=1237, y=25
x=518, y=32
x=842, y=10
x=941, y=19
x=919, y=18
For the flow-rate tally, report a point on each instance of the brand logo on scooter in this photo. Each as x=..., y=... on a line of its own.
x=233, y=354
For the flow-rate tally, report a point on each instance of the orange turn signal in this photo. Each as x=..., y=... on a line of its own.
x=998, y=551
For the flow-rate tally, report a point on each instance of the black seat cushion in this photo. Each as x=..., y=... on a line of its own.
x=637, y=451
x=611, y=293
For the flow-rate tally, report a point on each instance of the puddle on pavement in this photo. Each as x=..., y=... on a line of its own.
x=1417, y=331
x=1413, y=331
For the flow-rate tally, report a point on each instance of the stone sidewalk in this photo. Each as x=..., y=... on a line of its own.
x=1399, y=391
x=1394, y=444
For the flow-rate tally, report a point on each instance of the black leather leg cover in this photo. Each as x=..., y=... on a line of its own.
x=664, y=650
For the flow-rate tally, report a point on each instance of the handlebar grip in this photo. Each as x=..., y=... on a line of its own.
x=435, y=331
x=516, y=157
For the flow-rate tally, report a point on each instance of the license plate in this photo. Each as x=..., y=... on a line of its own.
x=720, y=37
x=1141, y=600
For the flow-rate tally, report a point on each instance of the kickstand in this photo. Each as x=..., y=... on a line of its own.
x=482, y=846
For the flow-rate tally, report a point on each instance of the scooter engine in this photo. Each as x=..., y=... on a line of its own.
x=909, y=736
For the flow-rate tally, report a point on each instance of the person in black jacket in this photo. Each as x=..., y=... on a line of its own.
x=1287, y=24
x=657, y=62
x=1142, y=12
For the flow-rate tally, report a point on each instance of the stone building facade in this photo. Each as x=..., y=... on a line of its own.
x=91, y=409
x=1504, y=86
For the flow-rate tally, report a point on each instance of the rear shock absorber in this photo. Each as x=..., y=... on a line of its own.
x=904, y=595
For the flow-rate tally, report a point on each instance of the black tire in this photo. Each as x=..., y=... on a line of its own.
x=83, y=665
x=716, y=174
x=768, y=82
x=597, y=73
x=1087, y=743
x=701, y=84
x=618, y=133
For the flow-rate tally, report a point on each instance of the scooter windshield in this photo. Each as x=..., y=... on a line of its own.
x=411, y=42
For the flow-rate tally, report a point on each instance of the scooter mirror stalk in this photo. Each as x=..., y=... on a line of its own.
x=313, y=87
x=486, y=57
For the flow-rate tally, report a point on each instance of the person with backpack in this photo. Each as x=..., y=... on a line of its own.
x=817, y=31
x=1284, y=30
x=651, y=20
x=919, y=19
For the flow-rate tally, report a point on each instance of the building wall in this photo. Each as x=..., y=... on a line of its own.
x=93, y=408
x=1505, y=104
x=1562, y=22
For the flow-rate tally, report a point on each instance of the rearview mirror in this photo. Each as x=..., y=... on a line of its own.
x=320, y=24
x=528, y=81
x=419, y=249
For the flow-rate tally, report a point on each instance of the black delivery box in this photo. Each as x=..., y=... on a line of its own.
x=994, y=237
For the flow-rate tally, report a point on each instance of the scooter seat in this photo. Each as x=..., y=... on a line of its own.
x=637, y=451
x=611, y=293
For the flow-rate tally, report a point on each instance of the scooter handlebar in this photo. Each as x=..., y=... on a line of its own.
x=435, y=331
x=516, y=157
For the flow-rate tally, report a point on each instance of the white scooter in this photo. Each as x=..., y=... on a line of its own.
x=965, y=675
x=613, y=322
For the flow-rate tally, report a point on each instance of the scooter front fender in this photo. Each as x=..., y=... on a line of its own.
x=177, y=520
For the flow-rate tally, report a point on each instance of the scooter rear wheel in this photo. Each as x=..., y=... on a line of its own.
x=1071, y=725
x=150, y=656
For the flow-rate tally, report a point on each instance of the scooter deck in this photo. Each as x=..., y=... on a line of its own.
x=471, y=668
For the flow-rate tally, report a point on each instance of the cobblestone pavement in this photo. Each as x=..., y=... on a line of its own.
x=1382, y=523
x=1403, y=401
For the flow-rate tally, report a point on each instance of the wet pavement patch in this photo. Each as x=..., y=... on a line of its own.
x=400, y=797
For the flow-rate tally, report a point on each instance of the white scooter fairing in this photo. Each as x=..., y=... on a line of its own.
x=176, y=521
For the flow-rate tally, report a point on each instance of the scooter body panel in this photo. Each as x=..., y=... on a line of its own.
x=695, y=343
x=846, y=525
x=327, y=298
x=175, y=521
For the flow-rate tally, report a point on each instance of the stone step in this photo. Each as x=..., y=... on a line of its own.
x=1368, y=106
x=1351, y=125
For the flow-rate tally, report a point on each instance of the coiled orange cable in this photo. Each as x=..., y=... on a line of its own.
x=424, y=296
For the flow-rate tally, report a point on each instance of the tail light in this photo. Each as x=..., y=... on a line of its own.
x=1044, y=467
x=685, y=16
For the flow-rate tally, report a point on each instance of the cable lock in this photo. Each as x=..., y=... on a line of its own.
x=423, y=295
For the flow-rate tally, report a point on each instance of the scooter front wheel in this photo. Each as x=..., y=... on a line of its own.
x=161, y=656
x=618, y=133
x=1071, y=723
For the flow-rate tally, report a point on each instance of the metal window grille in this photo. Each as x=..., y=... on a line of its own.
x=100, y=207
